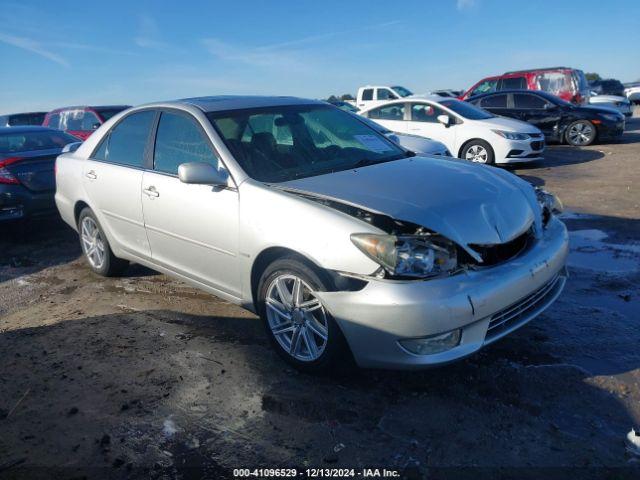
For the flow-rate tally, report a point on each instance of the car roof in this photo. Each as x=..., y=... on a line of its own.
x=27, y=129
x=22, y=113
x=239, y=102
x=542, y=93
x=90, y=107
x=412, y=99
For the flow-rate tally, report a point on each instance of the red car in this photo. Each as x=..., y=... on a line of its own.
x=81, y=122
x=569, y=84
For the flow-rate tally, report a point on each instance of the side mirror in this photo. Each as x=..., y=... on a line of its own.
x=71, y=147
x=202, y=173
x=445, y=120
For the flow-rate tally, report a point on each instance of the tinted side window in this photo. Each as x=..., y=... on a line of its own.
x=388, y=112
x=521, y=100
x=367, y=94
x=90, y=121
x=487, y=86
x=516, y=83
x=127, y=141
x=178, y=141
x=54, y=121
x=385, y=94
x=421, y=112
x=495, y=101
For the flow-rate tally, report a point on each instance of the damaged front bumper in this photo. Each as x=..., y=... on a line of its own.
x=484, y=304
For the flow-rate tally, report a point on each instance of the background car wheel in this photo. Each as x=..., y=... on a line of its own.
x=301, y=330
x=478, y=151
x=95, y=246
x=580, y=133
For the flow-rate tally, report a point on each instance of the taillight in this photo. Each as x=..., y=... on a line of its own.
x=6, y=176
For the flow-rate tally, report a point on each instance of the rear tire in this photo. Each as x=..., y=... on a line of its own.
x=95, y=246
x=299, y=327
x=478, y=151
x=580, y=133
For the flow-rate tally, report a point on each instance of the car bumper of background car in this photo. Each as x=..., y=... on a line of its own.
x=16, y=202
x=481, y=305
x=518, y=151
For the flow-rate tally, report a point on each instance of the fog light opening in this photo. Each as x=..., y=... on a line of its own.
x=432, y=345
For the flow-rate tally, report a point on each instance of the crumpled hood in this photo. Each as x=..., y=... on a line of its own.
x=467, y=203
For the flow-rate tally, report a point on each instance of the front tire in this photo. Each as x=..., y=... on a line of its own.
x=478, y=151
x=299, y=327
x=95, y=246
x=580, y=133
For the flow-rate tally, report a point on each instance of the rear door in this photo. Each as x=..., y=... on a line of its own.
x=393, y=116
x=192, y=229
x=113, y=180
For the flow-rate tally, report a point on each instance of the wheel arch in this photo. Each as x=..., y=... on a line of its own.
x=77, y=208
x=467, y=142
x=335, y=281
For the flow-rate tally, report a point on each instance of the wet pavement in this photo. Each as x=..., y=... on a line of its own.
x=145, y=377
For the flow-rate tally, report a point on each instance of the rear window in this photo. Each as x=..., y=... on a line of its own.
x=29, y=141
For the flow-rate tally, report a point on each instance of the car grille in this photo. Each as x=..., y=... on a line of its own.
x=537, y=145
x=494, y=254
x=524, y=310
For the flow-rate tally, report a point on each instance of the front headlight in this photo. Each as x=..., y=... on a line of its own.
x=511, y=135
x=418, y=256
x=549, y=203
x=612, y=117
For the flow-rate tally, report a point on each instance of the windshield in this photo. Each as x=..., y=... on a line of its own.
x=466, y=110
x=29, y=141
x=403, y=92
x=277, y=144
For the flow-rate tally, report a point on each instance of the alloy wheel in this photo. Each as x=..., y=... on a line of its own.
x=92, y=242
x=580, y=133
x=296, y=317
x=477, y=153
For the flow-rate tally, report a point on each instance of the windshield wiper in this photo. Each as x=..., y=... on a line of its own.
x=364, y=162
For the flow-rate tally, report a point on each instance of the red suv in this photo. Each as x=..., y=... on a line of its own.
x=569, y=84
x=81, y=122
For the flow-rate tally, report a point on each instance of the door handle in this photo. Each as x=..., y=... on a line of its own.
x=151, y=192
x=91, y=174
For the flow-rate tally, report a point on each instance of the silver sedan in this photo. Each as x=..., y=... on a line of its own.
x=343, y=242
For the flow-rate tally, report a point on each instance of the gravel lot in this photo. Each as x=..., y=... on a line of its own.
x=143, y=376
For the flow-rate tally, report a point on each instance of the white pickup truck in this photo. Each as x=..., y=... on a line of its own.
x=372, y=95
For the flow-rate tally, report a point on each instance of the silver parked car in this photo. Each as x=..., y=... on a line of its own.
x=337, y=237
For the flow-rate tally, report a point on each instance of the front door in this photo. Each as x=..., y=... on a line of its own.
x=537, y=111
x=424, y=122
x=192, y=229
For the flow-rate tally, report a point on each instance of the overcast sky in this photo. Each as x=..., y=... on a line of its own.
x=61, y=53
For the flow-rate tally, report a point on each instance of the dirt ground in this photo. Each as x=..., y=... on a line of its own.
x=145, y=377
